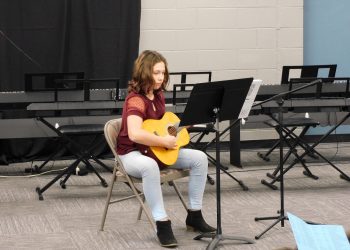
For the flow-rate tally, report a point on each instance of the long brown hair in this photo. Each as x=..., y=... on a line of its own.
x=142, y=76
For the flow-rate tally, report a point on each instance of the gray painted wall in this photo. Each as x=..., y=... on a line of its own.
x=231, y=38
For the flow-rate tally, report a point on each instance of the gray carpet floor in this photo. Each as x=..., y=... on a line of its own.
x=70, y=218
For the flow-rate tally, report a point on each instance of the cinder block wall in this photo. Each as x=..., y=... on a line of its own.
x=231, y=38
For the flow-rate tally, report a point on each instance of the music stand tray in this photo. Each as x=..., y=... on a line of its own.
x=215, y=102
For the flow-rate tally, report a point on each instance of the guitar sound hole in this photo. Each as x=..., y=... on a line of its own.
x=172, y=131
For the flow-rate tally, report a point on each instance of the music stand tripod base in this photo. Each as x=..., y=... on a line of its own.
x=278, y=219
x=216, y=238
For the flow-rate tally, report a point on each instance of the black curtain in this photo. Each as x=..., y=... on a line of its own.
x=100, y=38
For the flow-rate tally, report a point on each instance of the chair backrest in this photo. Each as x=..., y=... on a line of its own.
x=307, y=71
x=111, y=132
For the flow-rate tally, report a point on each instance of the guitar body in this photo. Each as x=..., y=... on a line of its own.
x=167, y=125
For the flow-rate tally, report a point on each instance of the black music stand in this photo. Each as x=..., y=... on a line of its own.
x=209, y=128
x=215, y=102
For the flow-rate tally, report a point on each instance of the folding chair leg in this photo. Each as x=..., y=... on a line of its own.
x=138, y=197
x=109, y=195
x=140, y=209
x=172, y=183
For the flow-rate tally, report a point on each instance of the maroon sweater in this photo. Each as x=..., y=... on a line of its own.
x=140, y=105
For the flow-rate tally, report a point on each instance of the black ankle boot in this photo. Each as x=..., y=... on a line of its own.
x=165, y=234
x=195, y=222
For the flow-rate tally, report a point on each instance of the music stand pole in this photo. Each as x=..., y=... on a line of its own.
x=218, y=236
x=223, y=101
x=279, y=100
x=281, y=217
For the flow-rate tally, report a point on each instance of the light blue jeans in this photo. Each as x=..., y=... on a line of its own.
x=144, y=167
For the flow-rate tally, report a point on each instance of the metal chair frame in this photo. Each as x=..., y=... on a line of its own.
x=168, y=175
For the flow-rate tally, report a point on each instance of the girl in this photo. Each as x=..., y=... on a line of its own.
x=145, y=100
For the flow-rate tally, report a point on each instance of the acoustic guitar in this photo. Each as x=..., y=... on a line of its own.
x=168, y=125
